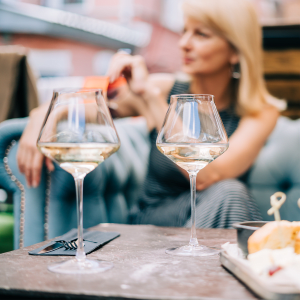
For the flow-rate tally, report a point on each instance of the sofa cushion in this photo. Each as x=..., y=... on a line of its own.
x=277, y=168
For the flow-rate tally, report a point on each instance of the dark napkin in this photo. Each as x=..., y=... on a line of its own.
x=92, y=241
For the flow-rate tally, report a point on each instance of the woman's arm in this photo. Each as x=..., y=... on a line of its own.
x=244, y=146
x=145, y=94
x=130, y=102
x=155, y=97
x=29, y=158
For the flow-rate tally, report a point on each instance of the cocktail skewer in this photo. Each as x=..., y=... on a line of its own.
x=277, y=200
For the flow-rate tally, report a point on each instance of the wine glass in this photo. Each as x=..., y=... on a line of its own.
x=78, y=133
x=192, y=136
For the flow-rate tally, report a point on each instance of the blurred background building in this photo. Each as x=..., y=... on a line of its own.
x=77, y=37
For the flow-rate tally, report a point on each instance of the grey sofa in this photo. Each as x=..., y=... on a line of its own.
x=49, y=210
x=43, y=212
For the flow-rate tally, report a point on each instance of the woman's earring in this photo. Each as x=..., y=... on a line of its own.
x=236, y=71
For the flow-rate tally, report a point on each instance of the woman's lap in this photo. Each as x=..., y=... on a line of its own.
x=231, y=203
x=170, y=212
x=219, y=206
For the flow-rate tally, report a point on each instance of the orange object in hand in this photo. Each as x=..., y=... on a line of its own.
x=110, y=90
x=102, y=82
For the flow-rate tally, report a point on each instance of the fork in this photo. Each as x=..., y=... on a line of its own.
x=71, y=245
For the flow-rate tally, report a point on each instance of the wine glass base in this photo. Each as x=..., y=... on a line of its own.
x=73, y=266
x=190, y=250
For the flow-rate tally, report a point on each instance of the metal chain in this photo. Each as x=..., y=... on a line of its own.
x=22, y=190
x=47, y=202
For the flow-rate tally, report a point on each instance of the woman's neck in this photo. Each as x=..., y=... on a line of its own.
x=214, y=84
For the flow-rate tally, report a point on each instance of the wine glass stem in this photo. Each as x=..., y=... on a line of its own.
x=193, y=239
x=80, y=254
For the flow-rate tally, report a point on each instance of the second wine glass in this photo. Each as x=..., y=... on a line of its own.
x=78, y=134
x=192, y=136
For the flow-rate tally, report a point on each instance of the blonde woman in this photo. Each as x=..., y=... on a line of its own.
x=219, y=38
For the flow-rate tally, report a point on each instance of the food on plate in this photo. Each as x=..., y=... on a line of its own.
x=269, y=261
x=275, y=235
x=297, y=243
x=274, y=249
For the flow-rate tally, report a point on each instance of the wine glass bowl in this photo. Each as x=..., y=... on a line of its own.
x=192, y=136
x=78, y=134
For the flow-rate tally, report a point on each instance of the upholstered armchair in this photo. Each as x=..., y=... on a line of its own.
x=49, y=210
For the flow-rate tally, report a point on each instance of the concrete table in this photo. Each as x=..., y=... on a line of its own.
x=141, y=270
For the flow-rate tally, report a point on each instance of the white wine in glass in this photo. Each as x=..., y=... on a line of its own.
x=192, y=136
x=78, y=158
x=78, y=134
x=192, y=157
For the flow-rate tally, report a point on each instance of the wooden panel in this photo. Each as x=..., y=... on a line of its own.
x=292, y=113
x=285, y=89
x=282, y=62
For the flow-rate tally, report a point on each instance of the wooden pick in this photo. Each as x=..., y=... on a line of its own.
x=276, y=202
x=298, y=202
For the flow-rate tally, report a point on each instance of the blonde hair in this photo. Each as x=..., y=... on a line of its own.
x=237, y=22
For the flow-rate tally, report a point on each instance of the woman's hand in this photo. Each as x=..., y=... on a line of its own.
x=146, y=95
x=133, y=68
x=29, y=159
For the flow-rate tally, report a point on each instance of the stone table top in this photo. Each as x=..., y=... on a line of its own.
x=141, y=270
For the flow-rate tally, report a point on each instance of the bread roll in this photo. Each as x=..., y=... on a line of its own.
x=297, y=243
x=274, y=235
